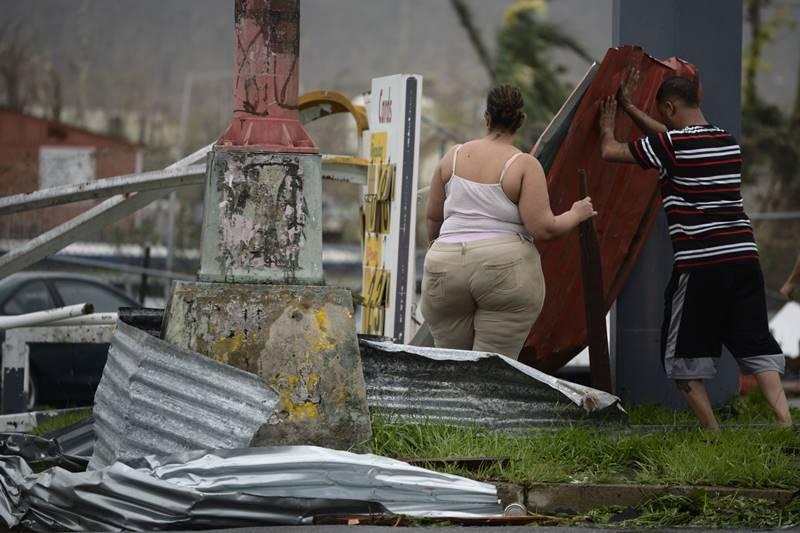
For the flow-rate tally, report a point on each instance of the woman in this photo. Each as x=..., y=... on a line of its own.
x=483, y=286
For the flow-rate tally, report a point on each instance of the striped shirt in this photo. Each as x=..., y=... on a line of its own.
x=700, y=169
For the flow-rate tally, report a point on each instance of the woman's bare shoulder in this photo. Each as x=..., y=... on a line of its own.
x=529, y=162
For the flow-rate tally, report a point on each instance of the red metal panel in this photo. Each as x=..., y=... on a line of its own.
x=625, y=197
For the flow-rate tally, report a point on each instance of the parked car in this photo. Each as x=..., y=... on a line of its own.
x=61, y=374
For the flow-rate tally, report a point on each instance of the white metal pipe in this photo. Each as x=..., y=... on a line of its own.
x=192, y=158
x=44, y=317
x=99, y=216
x=166, y=179
x=95, y=319
x=122, y=267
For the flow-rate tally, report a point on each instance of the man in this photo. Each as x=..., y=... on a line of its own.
x=716, y=294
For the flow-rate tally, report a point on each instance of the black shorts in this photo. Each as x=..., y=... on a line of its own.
x=706, y=308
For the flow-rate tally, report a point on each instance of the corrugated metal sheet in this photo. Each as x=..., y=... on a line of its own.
x=474, y=389
x=155, y=398
x=76, y=440
x=286, y=485
x=625, y=196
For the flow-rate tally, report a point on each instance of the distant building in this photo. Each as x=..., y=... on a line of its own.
x=37, y=153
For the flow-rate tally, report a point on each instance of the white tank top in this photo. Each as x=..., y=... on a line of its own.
x=479, y=208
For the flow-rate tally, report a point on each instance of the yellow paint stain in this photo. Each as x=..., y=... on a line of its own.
x=226, y=345
x=322, y=319
x=320, y=341
x=313, y=381
x=301, y=411
x=296, y=411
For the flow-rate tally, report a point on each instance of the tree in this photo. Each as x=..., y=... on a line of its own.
x=770, y=147
x=26, y=77
x=15, y=58
x=770, y=137
x=523, y=57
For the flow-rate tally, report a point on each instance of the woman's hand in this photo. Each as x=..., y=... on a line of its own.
x=583, y=209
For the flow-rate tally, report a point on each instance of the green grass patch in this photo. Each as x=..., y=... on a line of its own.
x=739, y=458
x=750, y=409
x=699, y=511
x=61, y=421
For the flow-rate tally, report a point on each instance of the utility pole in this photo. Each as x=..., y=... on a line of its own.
x=260, y=304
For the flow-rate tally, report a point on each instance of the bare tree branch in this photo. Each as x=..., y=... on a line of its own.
x=467, y=21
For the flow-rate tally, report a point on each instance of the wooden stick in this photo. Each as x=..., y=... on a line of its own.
x=594, y=299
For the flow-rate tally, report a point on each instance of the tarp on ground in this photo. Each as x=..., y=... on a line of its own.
x=232, y=488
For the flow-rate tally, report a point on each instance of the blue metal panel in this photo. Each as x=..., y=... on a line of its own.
x=709, y=35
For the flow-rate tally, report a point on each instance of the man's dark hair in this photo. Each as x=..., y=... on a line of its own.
x=682, y=89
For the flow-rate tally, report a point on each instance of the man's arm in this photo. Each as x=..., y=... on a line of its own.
x=611, y=149
x=627, y=87
x=792, y=281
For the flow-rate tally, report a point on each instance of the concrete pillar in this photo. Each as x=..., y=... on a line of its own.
x=664, y=29
x=262, y=221
x=260, y=304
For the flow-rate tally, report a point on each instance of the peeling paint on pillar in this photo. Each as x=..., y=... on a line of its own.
x=300, y=341
x=264, y=224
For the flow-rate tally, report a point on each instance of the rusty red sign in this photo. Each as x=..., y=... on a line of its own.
x=625, y=196
x=266, y=79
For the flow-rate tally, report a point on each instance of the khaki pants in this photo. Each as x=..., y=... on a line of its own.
x=483, y=295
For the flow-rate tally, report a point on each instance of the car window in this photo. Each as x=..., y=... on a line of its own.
x=30, y=298
x=77, y=292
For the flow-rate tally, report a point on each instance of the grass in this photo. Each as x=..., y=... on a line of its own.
x=750, y=409
x=699, y=511
x=61, y=421
x=743, y=457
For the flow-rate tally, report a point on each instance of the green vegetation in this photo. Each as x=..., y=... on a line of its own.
x=750, y=409
x=523, y=56
x=61, y=421
x=701, y=511
x=740, y=457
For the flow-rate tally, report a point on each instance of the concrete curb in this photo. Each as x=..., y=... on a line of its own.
x=548, y=498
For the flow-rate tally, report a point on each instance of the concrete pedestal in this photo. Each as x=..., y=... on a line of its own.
x=262, y=221
x=300, y=340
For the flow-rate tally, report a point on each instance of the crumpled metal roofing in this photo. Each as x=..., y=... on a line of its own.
x=474, y=389
x=156, y=398
x=232, y=488
x=77, y=440
x=625, y=196
x=40, y=451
